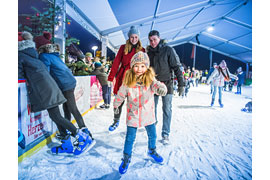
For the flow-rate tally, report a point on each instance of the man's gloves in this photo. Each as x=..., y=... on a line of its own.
x=162, y=91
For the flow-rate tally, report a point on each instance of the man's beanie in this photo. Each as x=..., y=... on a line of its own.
x=43, y=39
x=140, y=57
x=88, y=54
x=24, y=36
x=133, y=30
x=97, y=64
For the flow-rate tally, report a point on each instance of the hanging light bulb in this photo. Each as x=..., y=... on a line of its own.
x=210, y=29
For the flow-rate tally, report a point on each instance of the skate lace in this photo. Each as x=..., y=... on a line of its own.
x=155, y=154
x=114, y=123
x=126, y=161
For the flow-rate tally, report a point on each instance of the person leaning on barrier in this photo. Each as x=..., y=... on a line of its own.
x=44, y=94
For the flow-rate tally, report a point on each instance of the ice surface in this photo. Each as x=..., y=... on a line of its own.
x=206, y=143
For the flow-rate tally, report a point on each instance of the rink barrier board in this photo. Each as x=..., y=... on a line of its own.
x=38, y=128
x=48, y=140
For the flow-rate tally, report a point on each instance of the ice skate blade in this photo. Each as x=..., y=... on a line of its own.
x=87, y=148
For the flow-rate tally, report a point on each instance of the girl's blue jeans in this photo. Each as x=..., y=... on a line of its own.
x=219, y=94
x=131, y=135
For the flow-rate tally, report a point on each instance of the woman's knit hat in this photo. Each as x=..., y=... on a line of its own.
x=223, y=64
x=97, y=64
x=24, y=36
x=140, y=57
x=43, y=39
x=133, y=30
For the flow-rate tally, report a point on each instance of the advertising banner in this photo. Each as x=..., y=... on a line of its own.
x=95, y=91
x=33, y=126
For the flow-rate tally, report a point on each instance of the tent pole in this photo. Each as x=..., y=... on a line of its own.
x=247, y=69
x=210, y=57
x=194, y=59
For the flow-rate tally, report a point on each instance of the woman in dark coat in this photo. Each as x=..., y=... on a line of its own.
x=121, y=64
x=44, y=94
x=49, y=55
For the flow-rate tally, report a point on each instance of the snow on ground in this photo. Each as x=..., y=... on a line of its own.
x=206, y=143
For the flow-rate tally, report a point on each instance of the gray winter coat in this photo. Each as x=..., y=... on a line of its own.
x=42, y=90
x=101, y=75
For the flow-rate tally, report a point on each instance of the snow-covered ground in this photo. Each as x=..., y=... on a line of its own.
x=206, y=143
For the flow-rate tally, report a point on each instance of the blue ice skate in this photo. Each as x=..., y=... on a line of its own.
x=114, y=125
x=83, y=143
x=21, y=139
x=86, y=131
x=220, y=104
x=125, y=163
x=65, y=148
x=60, y=136
x=155, y=156
x=212, y=102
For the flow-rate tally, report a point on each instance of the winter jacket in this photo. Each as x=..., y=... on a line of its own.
x=241, y=78
x=101, y=75
x=210, y=72
x=218, y=78
x=58, y=69
x=42, y=90
x=140, y=103
x=124, y=62
x=166, y=64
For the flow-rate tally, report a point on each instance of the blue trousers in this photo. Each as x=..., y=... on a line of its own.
x=167, y=113
x=131, y=135
x=219, y=94
x=239, y=88
x=106, y=94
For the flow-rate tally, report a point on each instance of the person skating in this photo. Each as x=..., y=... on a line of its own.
x=121, y=64
x=49, y=55
x=241, y=80
x=44, y=94
x=219, y=75
x=210, y=72
x=139, y=87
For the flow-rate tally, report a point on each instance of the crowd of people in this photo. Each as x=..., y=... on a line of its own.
x=142, y=76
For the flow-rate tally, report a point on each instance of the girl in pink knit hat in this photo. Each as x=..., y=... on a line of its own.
x=219, y=75
x=139, y=87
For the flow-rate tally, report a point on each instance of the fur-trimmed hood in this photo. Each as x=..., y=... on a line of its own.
x=49, y=48
x=161, y=43
x=22, y=45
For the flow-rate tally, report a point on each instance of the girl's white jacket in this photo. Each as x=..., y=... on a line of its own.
x=218, y=79
x=140, y=103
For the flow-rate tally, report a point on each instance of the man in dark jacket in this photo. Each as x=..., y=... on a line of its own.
x=166, y=64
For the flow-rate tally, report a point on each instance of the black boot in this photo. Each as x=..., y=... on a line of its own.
x=125, y=163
